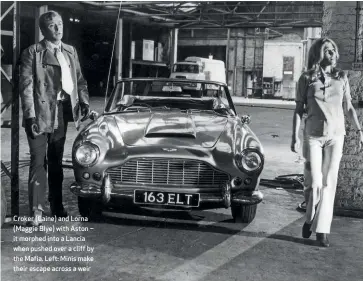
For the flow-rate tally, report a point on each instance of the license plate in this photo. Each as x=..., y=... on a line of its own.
x=166, y=198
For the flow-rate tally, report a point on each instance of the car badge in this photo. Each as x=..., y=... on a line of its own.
x=169, y=149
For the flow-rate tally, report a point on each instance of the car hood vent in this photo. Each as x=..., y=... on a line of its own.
x=199, y=129
x=171, y=125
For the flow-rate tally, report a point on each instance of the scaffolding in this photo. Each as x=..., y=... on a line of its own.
x=14, y=102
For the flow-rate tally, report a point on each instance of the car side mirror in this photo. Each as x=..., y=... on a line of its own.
x=246, y=119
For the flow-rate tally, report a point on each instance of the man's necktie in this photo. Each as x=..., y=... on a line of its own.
x=67, y=83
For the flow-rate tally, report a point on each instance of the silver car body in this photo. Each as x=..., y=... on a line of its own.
x=168, y=149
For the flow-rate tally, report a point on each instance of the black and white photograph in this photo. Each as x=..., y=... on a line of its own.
x=181, y=140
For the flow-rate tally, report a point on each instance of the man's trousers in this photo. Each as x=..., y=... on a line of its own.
x=46, y=154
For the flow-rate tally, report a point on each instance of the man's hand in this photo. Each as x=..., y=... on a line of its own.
x=295, y=144
x=93, y=115
x=84, y=111
x=31, y=128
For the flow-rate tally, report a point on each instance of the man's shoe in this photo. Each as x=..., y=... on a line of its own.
x=322, y=239
x=61, y=213
x=58, y=211
x=306, y=232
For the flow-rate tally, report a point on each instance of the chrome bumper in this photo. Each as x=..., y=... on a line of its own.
x=107, y=190
x=102, y=192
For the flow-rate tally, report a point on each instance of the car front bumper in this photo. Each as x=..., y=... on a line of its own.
x=107, y=190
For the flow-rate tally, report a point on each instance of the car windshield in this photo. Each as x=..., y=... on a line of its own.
x=188, y=68
x=169, y=94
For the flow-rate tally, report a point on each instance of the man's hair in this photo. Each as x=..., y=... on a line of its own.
x=316, y=55
x=47, y=16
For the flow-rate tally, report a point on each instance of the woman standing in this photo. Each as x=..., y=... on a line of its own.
x=323, y=90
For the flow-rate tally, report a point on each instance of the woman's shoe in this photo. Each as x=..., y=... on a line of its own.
x=37, y=219
x=322, y=239
x=306, y=232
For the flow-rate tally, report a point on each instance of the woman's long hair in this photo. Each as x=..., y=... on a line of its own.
x=316, y=55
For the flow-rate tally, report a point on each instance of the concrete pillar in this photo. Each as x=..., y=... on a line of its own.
x=131, y=51
x=237, y=61
x=339, y=24
x=240, y=73
x=173, y=45
x=38, y=12
x=227, y=52
x=118, y=50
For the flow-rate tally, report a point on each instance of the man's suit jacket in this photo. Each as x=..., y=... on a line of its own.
x=40, y=82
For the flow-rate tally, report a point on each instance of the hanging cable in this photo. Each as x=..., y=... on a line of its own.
x=113, y=49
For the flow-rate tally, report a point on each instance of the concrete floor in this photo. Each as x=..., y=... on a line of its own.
x=201, y=245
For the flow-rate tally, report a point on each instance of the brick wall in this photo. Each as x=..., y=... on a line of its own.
x=339, y=23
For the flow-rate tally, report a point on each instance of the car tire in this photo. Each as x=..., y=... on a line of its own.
x=244, y=213
x=90, y=209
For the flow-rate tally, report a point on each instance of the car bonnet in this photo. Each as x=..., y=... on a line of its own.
x=171, y=128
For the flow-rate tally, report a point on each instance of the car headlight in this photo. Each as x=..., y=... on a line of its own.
x=86, y=154
x=249, y=160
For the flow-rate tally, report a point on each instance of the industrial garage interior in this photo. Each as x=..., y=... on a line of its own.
x=233, y=32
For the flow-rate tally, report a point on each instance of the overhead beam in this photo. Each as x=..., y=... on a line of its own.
x=176, y=8
x=145, y=14
x=239, y=25
x=192, y=4
x=7, y=11
x=188, y=24
x=278, y=13
x=215, y=14
x=230, y=13
x=164, y=12
x=5, y=75
x=201, y=13
x=264, y=7
x=7, y=32
x=270, y=21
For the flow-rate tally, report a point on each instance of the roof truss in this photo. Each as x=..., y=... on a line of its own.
x=217, y=14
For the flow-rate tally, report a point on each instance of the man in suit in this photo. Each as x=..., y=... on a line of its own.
x=53, y=92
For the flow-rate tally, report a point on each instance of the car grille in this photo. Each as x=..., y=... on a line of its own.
x=180, y=172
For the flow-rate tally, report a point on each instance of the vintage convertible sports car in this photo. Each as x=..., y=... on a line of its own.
x=168, y=143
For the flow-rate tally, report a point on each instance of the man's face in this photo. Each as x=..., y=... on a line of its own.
x=53, y=30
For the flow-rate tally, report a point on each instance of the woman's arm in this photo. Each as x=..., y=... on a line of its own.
x=298, y=113
x=352, y=114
